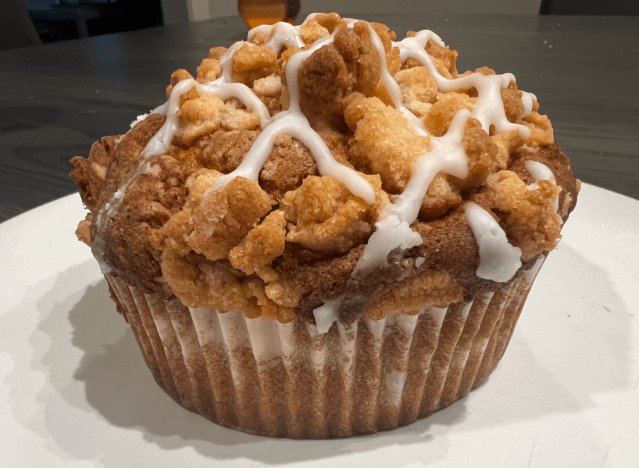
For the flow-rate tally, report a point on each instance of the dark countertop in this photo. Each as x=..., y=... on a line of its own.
x=57, y=99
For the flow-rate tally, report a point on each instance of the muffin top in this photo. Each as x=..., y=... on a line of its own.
x=327, y=170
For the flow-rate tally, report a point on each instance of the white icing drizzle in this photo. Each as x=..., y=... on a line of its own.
x=226, y=62
x=392, y=87
x=139, y=119
x=282, y=34
x=393, y=229
x=326, y=314
x=389, y=82
x=161, y=109
x=498, y=259
x=161, y=141
x=294, y=122
x=489, y=108
x=540, y=171
x=447, y=154
x=298, y=127
x=527, y=100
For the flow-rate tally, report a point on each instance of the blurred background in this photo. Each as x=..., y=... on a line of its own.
x=58, y=98
x=59, y=20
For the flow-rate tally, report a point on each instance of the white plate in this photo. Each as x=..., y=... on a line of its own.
x=74, y=390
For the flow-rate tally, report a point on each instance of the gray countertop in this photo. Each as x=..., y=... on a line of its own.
x=57, y=99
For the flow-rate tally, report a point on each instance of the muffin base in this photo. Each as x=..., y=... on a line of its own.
x=286, y=380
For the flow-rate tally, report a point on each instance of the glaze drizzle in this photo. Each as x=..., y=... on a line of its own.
x=393, y=230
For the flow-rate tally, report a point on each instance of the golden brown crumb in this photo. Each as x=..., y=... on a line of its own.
x=251, y=62
x=208, y=70
x=325, y=216
x=528, y=216
x=311, y=31
x=176, y=77
x=511, y=97
x=445, y=58
x=431, y=288
x=444, y=109
x=384, y=142
x=84, y=230
x=261, y=245
x=224, y=217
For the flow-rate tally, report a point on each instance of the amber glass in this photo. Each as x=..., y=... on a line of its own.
x=257, y=12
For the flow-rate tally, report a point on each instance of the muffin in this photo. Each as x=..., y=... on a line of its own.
x=326, y=232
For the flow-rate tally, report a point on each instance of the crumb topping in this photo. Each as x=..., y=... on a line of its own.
x=321, y=162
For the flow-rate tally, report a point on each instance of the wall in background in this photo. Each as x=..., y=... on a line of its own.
x=175, y=11
x=475, y=7
x=219, y=8
x=201, y=10
x=31, y=4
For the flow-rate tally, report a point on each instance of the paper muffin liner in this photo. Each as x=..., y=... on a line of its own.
x=286, y=380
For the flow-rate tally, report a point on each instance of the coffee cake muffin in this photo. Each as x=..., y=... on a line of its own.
x=326, y=232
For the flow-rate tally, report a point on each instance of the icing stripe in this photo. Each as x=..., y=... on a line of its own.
x=447, y=154
x=294, y=122
x=489, y=109
x=498, y=259
x=540, y=171
x=393, y=232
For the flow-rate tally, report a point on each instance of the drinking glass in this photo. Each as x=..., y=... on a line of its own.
x=257, y=12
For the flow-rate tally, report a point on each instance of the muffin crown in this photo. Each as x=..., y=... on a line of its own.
x=328, y=168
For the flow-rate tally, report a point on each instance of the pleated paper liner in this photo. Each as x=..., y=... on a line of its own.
x=286, y=380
